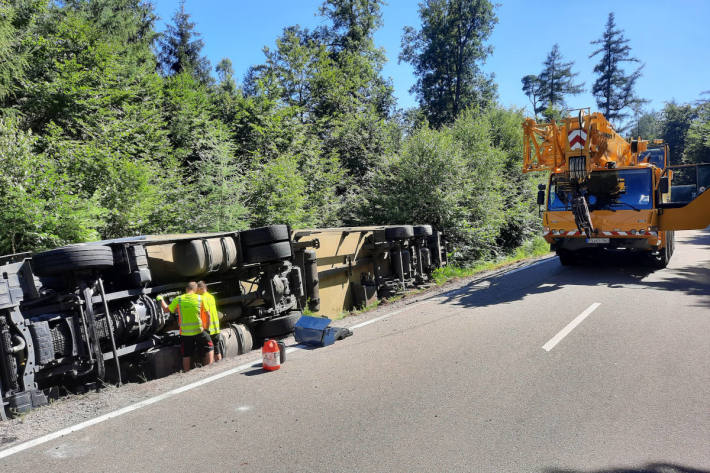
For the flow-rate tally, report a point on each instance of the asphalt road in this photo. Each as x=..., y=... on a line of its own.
x=459, y=382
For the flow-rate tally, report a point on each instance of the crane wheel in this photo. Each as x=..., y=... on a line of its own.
x=567, y=258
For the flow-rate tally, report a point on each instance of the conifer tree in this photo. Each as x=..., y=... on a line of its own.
x=181, y=48
x=614, y=89
x=225, y=73
x=557, y=81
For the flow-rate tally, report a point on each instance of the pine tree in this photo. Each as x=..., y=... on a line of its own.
x=613, y=89
x=447, y=54
x=219, y=184
x=40, y=207
x=557, y=81
x=181, y=48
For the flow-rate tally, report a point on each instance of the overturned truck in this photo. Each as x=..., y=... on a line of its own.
x=77, y=316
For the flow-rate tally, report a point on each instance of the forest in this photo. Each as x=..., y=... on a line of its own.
x=110, y=128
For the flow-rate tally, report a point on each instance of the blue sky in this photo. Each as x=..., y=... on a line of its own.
x=671, y=38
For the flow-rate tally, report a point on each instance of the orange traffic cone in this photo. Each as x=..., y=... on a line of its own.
x=272, y=358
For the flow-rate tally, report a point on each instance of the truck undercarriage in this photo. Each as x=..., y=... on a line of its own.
x=79, y=316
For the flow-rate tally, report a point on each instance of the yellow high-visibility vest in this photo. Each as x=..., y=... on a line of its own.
x=211, y=306
x=188, y=307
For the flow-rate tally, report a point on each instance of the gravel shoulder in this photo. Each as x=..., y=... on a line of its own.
x=72, y=409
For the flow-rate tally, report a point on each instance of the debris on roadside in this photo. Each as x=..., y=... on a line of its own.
x=315, y=331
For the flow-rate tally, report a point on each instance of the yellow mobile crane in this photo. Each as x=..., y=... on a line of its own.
x=606, y=192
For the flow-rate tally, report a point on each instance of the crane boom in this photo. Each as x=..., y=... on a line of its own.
x=578, y=145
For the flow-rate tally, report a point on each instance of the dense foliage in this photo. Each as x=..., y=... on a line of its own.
x=447, y=53
x=109, y=128
x=685, y=127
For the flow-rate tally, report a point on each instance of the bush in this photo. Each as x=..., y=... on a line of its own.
x=464, y=179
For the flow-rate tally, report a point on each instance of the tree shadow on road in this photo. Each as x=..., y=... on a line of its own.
x=649, y=468
x=701, y=238
x=612, y=270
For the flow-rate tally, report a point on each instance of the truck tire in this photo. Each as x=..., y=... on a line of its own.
x=233, y=344
x=247, y=342
x=423, y=230
x=277, y=326
x=661, y=260
x=264, y=235
x=567, y=258
x=266, y=253
x=42, y=341
x=399, y=233
x=72, y=258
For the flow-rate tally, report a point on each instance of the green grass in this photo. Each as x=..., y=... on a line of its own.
x=530, y=249
x=308, y=312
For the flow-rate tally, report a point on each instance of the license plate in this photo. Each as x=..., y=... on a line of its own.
x=597, y=240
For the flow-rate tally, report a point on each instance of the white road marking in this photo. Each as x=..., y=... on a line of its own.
x=125, y=410
x=188, y=387
x=570, y=326
x=381, y=317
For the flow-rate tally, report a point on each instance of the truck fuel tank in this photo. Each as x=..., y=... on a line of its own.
x=192, y=258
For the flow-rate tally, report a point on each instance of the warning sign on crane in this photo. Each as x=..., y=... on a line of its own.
x=577, y=139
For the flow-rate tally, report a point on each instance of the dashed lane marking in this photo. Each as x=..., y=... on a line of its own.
x=569, y=327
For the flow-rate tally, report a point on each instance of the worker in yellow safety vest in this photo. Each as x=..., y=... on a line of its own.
x=193, y=331
x=213, y=324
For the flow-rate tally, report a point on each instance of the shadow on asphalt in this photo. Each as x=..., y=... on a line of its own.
x=650, y=468
x=612, y=270
x=702, y=238
x=255, y=372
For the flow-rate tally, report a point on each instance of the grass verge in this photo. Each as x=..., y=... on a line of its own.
x=530, y=249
